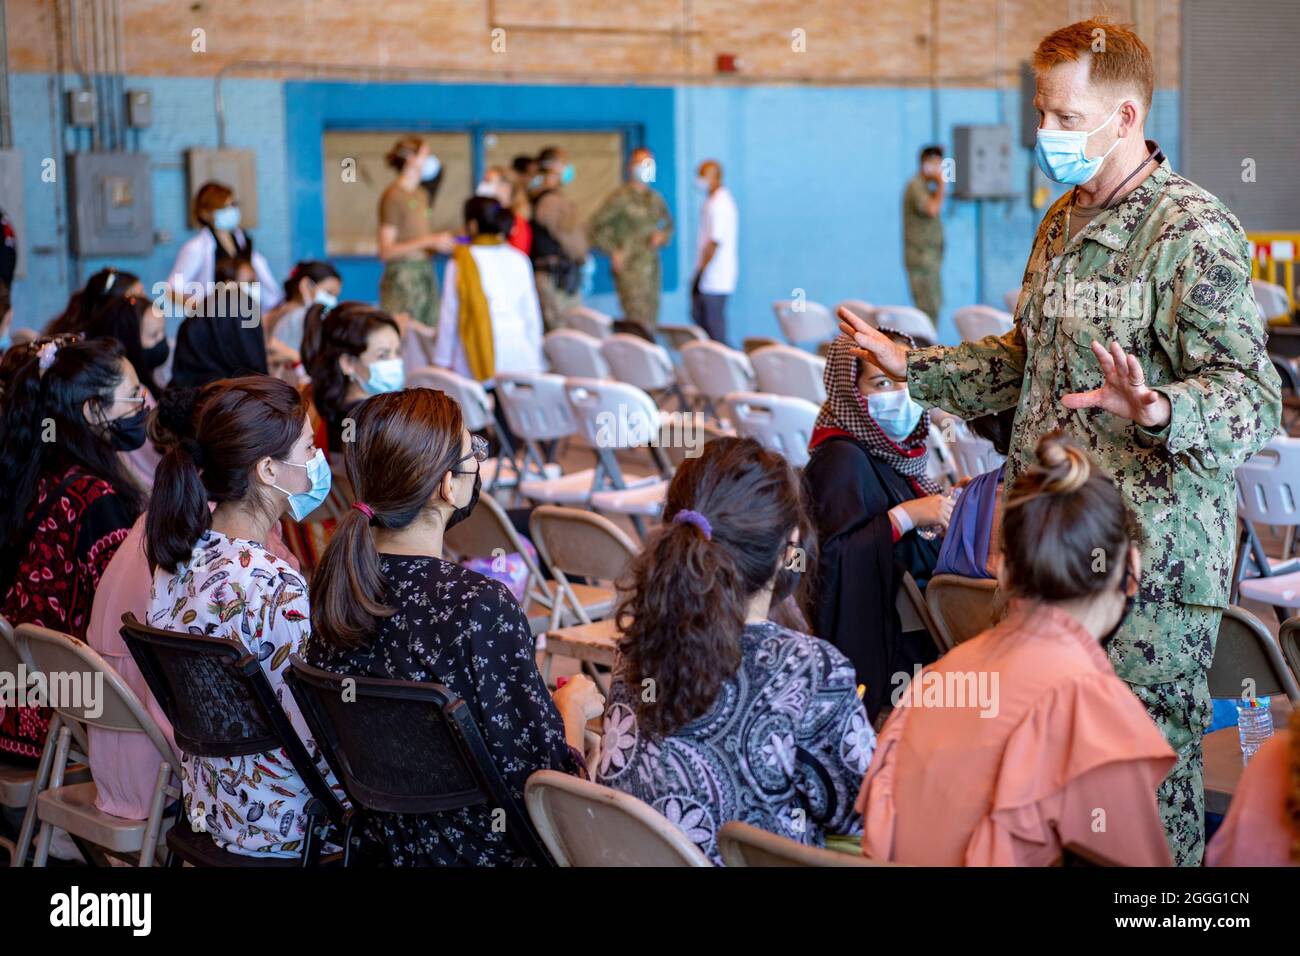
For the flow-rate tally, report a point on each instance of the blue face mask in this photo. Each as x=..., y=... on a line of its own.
x=304, y=503
x=387, y=375
x=226, y=218
x=566, y=177
x=6, y=340
x=431, y=167
x=325, y=298
x=894, y=412
x=1061, y=156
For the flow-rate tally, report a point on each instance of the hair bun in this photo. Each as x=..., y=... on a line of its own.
x=1065, y=465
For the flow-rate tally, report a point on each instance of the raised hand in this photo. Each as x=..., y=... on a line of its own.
x=878, y=349
x=1124, y=392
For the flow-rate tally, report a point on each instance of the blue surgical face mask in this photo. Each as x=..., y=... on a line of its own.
x=894, y=412
x=226, y=218
x=303, y=503
x=326, y=298
x=1061, y=156
x=386, y=375
x=430, y=168
x=566, y=177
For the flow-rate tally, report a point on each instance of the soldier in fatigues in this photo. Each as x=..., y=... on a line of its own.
x=1136, y=332
x=923, y=232
x=631, y=226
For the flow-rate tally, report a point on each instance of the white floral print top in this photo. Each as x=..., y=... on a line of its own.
x=236, y=589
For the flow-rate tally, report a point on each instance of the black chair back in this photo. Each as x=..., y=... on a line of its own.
x=405, y=747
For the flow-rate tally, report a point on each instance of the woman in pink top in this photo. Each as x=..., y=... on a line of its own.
x=1023, y=740
x=1263, y=823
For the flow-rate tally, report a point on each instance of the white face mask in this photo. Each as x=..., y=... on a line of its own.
x=894, y=412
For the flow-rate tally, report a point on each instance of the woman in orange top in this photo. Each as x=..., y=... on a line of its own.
x=1023, y=740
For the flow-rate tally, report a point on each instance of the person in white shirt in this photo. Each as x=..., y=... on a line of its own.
x=717, y=262
x=487, y=269
x=193, y=274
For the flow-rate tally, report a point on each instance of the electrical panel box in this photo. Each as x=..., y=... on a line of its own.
x=81, y=108
x=139, y=108
x=111, y=200
x=1028, y=112
x=982, y=156
x=236, y=168
x=11, y=201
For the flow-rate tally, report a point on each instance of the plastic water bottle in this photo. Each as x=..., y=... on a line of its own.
x=1254, y=725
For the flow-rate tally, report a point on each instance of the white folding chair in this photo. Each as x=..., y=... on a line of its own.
x=574, y=353
x=675, y=336
x=579, y=544
x=779, y=422
x=475, y=404
x=589, y=320
x=717, y=371
x=537, y=409
x=973, y=455
x=1268, y=493
x=863, y=310
x=909, y=321
x=1274, y=304
x=975, y=322
x=786, y=370
x=805, y=322
x=633, y=360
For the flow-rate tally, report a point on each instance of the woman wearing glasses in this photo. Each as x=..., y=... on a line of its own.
x=69, y=408
x=385, y=603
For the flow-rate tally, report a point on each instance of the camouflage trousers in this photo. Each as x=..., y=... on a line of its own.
x=927, y=292
x=410, y=286
x=555, y=302
x=637, y=284
x=1155, y=639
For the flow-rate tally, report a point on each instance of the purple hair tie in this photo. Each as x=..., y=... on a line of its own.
x=687, y=516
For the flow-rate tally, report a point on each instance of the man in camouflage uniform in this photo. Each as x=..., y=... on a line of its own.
x=923, y=232
x=631, y=226
x=1136, y=333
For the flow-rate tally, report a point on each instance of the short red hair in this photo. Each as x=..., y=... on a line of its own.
x=1116, y=55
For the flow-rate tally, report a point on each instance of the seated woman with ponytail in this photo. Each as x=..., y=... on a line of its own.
x=310, y=283
x=68, y=410
x=351, y=352
x=1023, y=740
x=253, y=456
x=385, y=603
x=715, y=712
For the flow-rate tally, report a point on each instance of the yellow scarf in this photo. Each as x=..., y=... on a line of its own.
x=475, y=319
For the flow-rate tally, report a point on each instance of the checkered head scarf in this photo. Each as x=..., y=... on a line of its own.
x=846, y=408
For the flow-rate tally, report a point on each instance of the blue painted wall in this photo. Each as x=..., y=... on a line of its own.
x=817, y=174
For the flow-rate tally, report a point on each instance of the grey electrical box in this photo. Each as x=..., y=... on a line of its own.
x=236, y=168
x=982, y=156
x=81, y=108
x=1028, y=111
x=11, y=201
x=139, y=108
x=111, y=201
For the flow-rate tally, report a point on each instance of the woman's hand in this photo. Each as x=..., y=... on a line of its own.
x=578, y=701
x=932, y=511
x=443, y=242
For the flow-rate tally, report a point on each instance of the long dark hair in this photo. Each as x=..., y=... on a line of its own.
x=120, y=319
x=104, y=286
x=405, y=443
x=342, y=331
x=37, y=402
x=312, y=269
x=686, y=594
x=237, y=423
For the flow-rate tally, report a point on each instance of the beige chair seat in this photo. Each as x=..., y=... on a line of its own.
x=16, y=782
x=72, y=808
x=595, y=643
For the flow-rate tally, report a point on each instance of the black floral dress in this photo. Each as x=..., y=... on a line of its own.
x=454, y=626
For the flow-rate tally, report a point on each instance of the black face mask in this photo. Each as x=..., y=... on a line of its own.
x=155, y=355
x=460, y=514
x=128, y=433
x=1129, y=601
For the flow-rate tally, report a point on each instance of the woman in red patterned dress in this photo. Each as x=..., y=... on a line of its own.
x=70, y=408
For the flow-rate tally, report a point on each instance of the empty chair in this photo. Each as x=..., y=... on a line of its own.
x=591, y=321
x=779, y=422
x=974, y=322
x=1248, y=661
x=744, y=845
x=717, y=370
x=684, y=436
x=675, y=336
x=633, y=360
x=1274, y=303
x=586, y=824
x=476, y=410
x=752, y=343
x=578, y=544
x=571, y=352
x=111, y=705
x=805, y=322
x=1268, y=493
x=537, y=409
x=909, y=321
x=973, y=455
x=961, y=607
x=863, y=310
x=786, y=370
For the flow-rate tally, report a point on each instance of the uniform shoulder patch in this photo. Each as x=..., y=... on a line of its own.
x=1204, y=294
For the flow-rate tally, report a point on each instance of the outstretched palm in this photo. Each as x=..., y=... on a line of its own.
x=1124, y=392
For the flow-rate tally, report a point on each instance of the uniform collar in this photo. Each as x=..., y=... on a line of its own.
x=1114, y=227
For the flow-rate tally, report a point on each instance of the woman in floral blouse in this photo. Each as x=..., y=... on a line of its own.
x=254, y=456
x=386, y=604
x=716, y=713
x=68, y=503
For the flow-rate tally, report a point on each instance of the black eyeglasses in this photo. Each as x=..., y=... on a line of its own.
x=478, y=450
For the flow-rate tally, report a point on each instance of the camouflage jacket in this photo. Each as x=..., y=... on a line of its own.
x=1166, y=273
x=922, y=233
x=626, y=220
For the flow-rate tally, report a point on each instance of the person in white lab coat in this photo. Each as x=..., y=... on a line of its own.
x=490, y=319
x=192, y=276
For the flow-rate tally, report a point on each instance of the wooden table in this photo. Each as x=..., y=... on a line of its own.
x=590, y=643
x=1223, y=764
